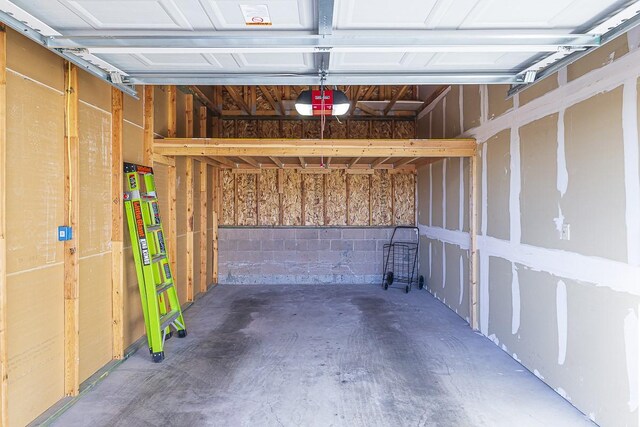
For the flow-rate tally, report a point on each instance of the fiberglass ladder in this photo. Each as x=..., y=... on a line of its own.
x=155, y=281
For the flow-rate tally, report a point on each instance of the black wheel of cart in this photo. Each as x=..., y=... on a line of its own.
x=421, y=282
x=386, y=286
x=406, y=289
x=389, y=278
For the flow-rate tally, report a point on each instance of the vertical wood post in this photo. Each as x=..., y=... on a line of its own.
x=473, y=233
x=148, y=126
x=347, y=184
x=117, y=269
x=189, y=116
x=71, y=247
x=204, y=177
x=215, y=247
x=173, y=239
x=171, y=112
x=190, y=248
x=203, y=121
x=4, y=419
x=371, y=199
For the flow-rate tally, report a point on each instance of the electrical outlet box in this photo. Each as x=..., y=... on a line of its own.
x=64, y=233
x=565, y=233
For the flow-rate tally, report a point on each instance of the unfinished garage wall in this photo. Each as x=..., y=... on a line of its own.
x=559, y=224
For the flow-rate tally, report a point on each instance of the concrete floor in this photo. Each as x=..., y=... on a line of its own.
x=323, y=356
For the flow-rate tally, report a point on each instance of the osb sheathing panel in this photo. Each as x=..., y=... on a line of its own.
x=539, y=195
x=470, y=106
x=291, y=129
x=228, y=128
x=181, y=194
x=247, y=128
x=423, y=195
x=35, y=186
x=94, y=91
x=134, y=320
x=95, y=183
x=291, y=198
x=335, y=129
x=452, y=113
x=404, y=208
x=336, y=194
x=35, y=342
x=95, y=314
x=498, y=102
x=452, y=184
x=359, y=129
x=382, y=129
x=30, y=59
x=358, y=199
x=313, y=199
x=437, y=123
x=132, y=137
x=133, y=108
x=599, y=57
x=246, y=199
x=269, y=201
x=228, y=199
x=269, y=128
x=227, y=101
x=592, y=375
x=437, y=194
x=311, y=129
x=160, y=109
x=498, y=183
x=594, y=204
x=261, y=99
x=381, y=198
x=535, y=91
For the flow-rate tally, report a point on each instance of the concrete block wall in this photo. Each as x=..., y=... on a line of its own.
x=249, y=255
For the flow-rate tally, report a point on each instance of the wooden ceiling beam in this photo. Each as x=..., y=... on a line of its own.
x=368, y=110
x=303, y=162
x=224, y=161
x=204, y=99
x=353, y=162
x=276, y=161
x=379, y=161
x=238, y=99
x=270, y=100
x=250, y=161
x=395, y=99
x=404, y=162
x=431, y=98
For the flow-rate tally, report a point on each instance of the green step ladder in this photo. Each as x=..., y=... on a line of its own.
x=160, y=304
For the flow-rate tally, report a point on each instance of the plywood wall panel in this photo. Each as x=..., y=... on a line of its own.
x=359, y=199
x=227, y=128
x=381, y=198
x=269, y=200
x=269, y=129
x=404, y=207
x=247, y=128
x=335, y=129
x=247, y=199
x=228, y=192
x=336, y=194
x=30, y=59
x=181, y=195
x=382, y=129
x=359, y=129
x=313, y=199
x=311, y=129
x=292, y=198
x=291, y=129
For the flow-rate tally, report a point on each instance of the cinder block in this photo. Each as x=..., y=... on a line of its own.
x=227, y=244
x=364, y=245
x=306, y=234
x=329, y=257
x=283, y=233
x=318, y=245
x=341, y=245
x=378, y=233
x=273, y=245
x=353, y=233
x=249, y=245
x=295, y=245
x=330, y=233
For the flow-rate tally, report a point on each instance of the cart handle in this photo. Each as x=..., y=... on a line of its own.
x=406, y=227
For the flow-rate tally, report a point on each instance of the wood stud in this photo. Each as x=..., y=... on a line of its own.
x=4, y=419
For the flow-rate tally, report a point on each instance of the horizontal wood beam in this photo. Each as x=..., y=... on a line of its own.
x=379, y=161
x=163, y=160
x=224, y=161
x=315, y=147
x=277, y=161
x=250, y=161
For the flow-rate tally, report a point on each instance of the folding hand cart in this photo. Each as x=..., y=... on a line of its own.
x=400, y=259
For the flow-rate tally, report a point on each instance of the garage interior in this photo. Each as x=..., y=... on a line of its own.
x=505, y=132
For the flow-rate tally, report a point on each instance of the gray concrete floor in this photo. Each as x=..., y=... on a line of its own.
x=323, y=356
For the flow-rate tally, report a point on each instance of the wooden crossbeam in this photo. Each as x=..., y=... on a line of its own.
x=354, y=99
x=270, y=100
x=276, y=161
x=224, y=161
x=353, y=162
x=301, y=149
x=303, y=162
x=368, y=110
x=431, y=98
x=206, y=160
x=205, y=100
x=379, y=161
x=238, y=99
x=395, y=98
x=250, y=161
x=404, y=162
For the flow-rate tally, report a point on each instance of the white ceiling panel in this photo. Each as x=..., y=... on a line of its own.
x=294, y=61
x=184, y=60
x=284, y=14
x=375, y=14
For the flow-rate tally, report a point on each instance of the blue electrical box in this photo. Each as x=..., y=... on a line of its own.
x=64, y=233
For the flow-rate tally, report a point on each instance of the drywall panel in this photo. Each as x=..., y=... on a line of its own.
x=292, y=198
x=423, y=195
x=437, y=123
x=543, y=87
x=457, y=279
x=501, y=309
x=95, y=314
x=313, y=193
x=29, y=59
x=404, y=203
x=181, y=194
x=269, y=198
x=228, y=199
x=247, y=201
x=422, y=126
x=35, y=342
x=465, y=194
x=594, y=203
x=94, y=91
x=452, y=187
x=132, y=137
x=335, y=197
x=498, y=177
x=480, y=159
x=133, y=318
x=359, y=199
x=598, y=58
x=95, y=180
x=133, y=108
x=436, y=280
x=471, y=106
x=381, y=198
x=35, y=186
x=181, y=266
x=539, y=195
x=160, y=109
x=498, y=102
x=452, y=113
x=437, y=194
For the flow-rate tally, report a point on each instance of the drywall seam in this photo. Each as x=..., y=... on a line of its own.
x=58, y=91
x=631, y=353
x=562, y=175
x=461, y=108
x=484, y=105
x=444, y=193
x=562, y=77
x=615, y=275
x=461, y=277
x=444, y=265
x=431, y=194
x=597, y=81
x=561, y=316
x=484, y=293
x=94, y=255
x=461, y=199
x=484, y=207
x=631, y=171
x=430, y=125
x=430, y=262
x=461, y=239
x=133, y=124
x=94, y=107
x=514, y=187
x=444, y=117
x=40, y=267
x=515, y=300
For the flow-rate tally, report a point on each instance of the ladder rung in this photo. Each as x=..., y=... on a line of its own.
x=162, y=287
x=155, y=227
x=168, y=318
x=158, y=258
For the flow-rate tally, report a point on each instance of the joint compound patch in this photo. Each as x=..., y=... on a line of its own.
x=561, y=312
